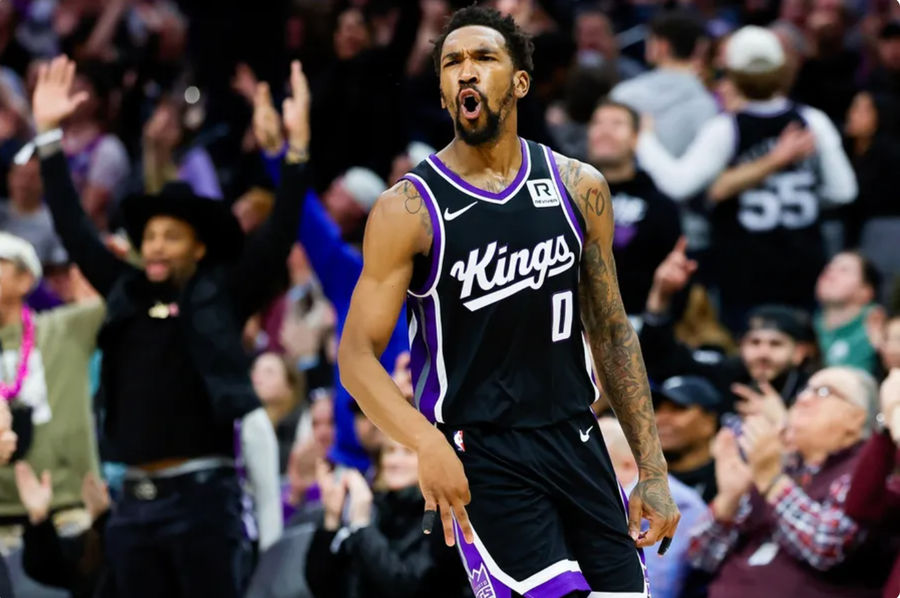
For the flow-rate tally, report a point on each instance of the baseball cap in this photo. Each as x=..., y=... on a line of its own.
x=20, y=251
x=791, y=321
x=364, y=185
x=754, y=49
x=688, y=391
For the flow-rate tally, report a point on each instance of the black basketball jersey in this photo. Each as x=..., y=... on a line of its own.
x=767, y=239
x=494, y=322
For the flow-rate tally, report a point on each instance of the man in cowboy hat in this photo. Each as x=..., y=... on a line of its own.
x=175, y=376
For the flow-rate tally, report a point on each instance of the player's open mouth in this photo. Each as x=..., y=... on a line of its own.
x=470, y=104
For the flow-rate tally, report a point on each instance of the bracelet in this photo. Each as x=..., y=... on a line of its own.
x=48, y=137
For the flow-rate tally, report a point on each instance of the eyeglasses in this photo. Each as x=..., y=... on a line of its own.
x=823, y=392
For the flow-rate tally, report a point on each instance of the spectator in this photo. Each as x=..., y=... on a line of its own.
x=687, y=417
x=76, y=564
x=596, y=45
x=349, y=198
x=772, y=349
x=873, y=141
x=668, y=575
x=646, y=221
x=888, y=343
x=311, y=447
x=568, y=121
x=374, y=546
x=827, y=77
x=337, y=264
x=846, y=292
x=874, y=496
x=7, y=448
x=25, y=215
x=171, y=404
x=769, y=208
x=279, y=387
x=886, y=77
x=97, y=158
x=672, y=93
x=45, y=378
x=781, y=530
x=170, y=153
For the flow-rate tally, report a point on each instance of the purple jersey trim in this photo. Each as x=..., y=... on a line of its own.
x=512, y=187
x=438, y=241
x=423, y=357
x=564, y=195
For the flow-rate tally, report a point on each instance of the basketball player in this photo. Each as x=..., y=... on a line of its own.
x=503, y=251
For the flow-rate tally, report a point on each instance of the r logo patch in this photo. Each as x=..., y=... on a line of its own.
x=543, y=193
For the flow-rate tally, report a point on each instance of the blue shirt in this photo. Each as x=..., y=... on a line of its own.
x=338, y=265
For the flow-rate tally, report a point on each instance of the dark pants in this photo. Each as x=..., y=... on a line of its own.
x=185, y=542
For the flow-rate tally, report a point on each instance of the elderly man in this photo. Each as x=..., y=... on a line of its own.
x=779, y=529
x=44, y=378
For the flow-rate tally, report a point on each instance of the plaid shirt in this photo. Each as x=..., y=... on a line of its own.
x=817, y=533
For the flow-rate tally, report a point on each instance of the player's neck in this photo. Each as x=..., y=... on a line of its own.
x=502, y=156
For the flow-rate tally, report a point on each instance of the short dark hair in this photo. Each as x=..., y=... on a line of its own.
x=681, y=29
x=518, y=43
x=632, y=113
x=871, y=276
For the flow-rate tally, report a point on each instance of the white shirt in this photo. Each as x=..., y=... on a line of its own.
x=713, y=149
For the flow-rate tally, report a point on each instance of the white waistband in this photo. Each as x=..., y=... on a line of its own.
x=190, y=466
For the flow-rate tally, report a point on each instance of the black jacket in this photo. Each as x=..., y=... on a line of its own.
x=665, y=357
x=214, y=304
x=391, y=558
x=76, y=564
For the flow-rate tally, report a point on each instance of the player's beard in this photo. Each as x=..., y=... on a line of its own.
x=491, y=129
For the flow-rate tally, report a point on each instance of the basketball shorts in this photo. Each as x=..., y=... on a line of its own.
x=549, y=517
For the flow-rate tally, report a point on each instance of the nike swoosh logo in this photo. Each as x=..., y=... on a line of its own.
x=448, y=215
x=585, y=435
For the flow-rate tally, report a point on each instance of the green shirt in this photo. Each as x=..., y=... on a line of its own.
x=848, y=344
x=56, y=387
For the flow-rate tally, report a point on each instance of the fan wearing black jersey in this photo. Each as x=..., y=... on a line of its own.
x=503, y=253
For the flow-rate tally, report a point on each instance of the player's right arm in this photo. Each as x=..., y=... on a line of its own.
x=398, y=229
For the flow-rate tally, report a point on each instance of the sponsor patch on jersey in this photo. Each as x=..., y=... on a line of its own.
x=543, y=193
x=458, y=441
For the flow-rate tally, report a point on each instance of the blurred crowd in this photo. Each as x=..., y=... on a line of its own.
x=752, y=151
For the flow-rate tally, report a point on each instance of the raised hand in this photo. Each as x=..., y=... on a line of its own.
x=266, y=121
x=444, y=486
x=671, y=276
x=334, y=492
x=890, y=400
x=767, y=403
x=52, y=101
x=35, y=495
x=296, y=109
x=733, y=475
x=360, y=510
x=8, y=438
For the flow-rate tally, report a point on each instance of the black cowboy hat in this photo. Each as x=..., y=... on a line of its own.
x=211, y=219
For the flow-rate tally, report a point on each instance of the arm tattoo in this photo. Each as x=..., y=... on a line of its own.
x=590, y=198
x=414, y=204
x=617, y=352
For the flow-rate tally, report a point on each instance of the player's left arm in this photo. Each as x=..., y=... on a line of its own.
x=617, y=353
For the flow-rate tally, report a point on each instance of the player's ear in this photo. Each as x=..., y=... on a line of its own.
x=521, y=83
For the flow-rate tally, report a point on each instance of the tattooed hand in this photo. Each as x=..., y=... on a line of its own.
x=651, y=500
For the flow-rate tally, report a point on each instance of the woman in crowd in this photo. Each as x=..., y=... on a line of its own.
x=372, y=544
x=280, y=389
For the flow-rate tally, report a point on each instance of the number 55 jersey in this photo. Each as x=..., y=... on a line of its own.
x=494, y=322
x=767, y=241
